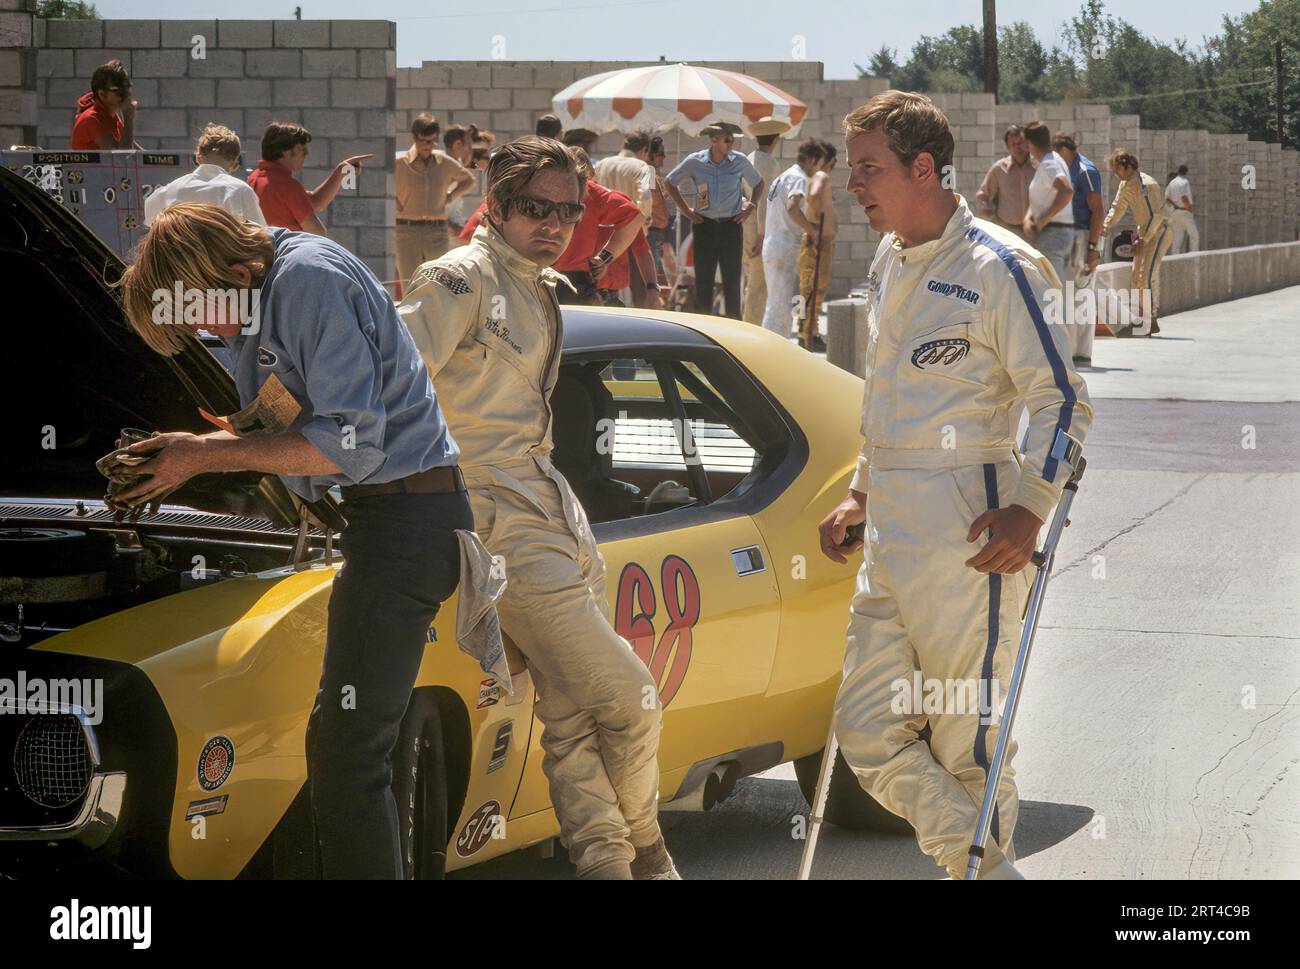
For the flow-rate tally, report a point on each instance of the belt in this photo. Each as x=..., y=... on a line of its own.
x=437, y=220
x=432, y=482
x=903, y=458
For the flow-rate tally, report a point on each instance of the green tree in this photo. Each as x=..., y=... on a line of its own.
x=66, y=10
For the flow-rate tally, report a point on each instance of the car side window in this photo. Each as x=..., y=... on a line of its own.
x=654, y=435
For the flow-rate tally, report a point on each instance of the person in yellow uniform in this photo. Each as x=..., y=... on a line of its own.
x=487, y=324
x=1140, y=194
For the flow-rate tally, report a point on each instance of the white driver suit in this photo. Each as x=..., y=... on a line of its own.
x=958, y=340
x=487, y=324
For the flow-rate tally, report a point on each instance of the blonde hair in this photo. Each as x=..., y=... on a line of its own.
x=219, y=140
x=912, y=123
x=193, y=246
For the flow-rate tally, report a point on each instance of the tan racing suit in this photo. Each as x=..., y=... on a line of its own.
x=957, y=342
x=487, y=324
x=1143, y=196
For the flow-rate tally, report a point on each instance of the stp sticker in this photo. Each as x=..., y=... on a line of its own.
x=489, y=693
x=478, y=829
x=216, y=762
x=501, y=746
x=209, y=805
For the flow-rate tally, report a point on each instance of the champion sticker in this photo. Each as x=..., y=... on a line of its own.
x=481, y=827
x=216, y=762
x=209, y=805
x=939, y=353
x=266, y=358
x=489, y=693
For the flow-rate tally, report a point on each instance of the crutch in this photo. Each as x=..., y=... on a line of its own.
x=1068, y=450
x=1064, y=448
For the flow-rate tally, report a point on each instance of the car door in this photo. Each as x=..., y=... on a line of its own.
x=689, y=580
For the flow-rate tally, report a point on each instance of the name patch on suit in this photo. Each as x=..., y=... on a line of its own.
x=939, y=353
x=953, y=291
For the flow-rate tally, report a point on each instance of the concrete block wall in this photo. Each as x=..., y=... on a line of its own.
x=18, y=89
x=338, y=77
x=507, y=97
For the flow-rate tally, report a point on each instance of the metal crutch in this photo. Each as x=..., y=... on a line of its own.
x=1065, y=448
x=1068, y=450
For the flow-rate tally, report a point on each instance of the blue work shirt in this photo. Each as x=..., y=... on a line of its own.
x=330, y=332
x=723, y=180
x=1084, y=178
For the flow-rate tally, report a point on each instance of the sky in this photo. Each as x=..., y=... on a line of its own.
x=837, y=32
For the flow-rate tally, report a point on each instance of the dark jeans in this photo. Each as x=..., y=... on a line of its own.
x=402, y=561
x=718, y=244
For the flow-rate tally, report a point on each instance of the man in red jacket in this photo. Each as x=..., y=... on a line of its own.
x=106, y=113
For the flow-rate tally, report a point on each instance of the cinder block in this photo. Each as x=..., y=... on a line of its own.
x=512, y=120
x=181, y=33
x=412, y=99
x=329, y=63
x=327, y=122
x=489, y=100
x=300, y=94
x=470, y=76
x=376, y=241
x=377, y=63
x=347, y=211
x=378, y=124
x=61, y=93
x=301, y=34
x=163, y=123
x=85, y=61
x=273, y=63
x=255, y=122
x=554, y=76
x=243, y=33
x=346, y=236
x=74, y=33
x=531, y=99
x=145, y=91
x=159, y=63
x=218, y=63
x=430, y=75
x=512, y=75
x=131, y=33
x=373, y=94
x=243, y=94
x=448, y=99
x=55, y=63
x=194, y=92
x=361, y=33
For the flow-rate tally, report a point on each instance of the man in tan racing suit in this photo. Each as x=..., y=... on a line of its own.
x=486, y=322
x=1140, y=194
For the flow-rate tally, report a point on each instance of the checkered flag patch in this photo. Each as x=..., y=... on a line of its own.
x=443, y=276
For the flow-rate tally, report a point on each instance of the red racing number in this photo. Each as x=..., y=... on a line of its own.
x=634, y=612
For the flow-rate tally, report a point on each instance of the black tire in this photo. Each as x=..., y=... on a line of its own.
x=420, y=787
x=847, y=804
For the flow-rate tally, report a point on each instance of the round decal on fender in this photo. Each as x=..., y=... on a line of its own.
x=478, y=829
x=216, y=762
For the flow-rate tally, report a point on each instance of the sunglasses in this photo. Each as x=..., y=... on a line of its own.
x=534, y=208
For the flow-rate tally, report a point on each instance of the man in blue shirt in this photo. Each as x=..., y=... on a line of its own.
x=719, y=214
x=1089, y=215
x=333, y=392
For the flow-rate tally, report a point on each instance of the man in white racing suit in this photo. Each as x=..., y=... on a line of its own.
x=958, y=342
x=486, y=321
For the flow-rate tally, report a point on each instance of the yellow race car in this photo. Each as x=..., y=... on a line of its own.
x=156, y=676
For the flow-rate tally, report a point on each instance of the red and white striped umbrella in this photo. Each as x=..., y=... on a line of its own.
x=678, y=96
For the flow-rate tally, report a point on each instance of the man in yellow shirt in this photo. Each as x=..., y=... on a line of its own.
x=1140, y=194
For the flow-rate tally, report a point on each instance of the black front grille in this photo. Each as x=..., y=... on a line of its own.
x=96, y=513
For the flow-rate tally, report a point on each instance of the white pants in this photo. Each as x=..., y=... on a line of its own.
x=781, y=272
x=1184, y=225
x=919, y=609
x=1082, y=327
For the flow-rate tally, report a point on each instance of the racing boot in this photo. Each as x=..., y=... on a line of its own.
x=653, y=863
x=614, y=870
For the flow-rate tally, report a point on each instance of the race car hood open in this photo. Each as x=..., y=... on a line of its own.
x=75, y=374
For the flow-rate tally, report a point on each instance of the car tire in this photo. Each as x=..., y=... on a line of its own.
x=420, y=787
x=847, y=804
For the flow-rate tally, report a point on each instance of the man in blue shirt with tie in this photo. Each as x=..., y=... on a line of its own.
x=719, y=214
x=333, y=392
